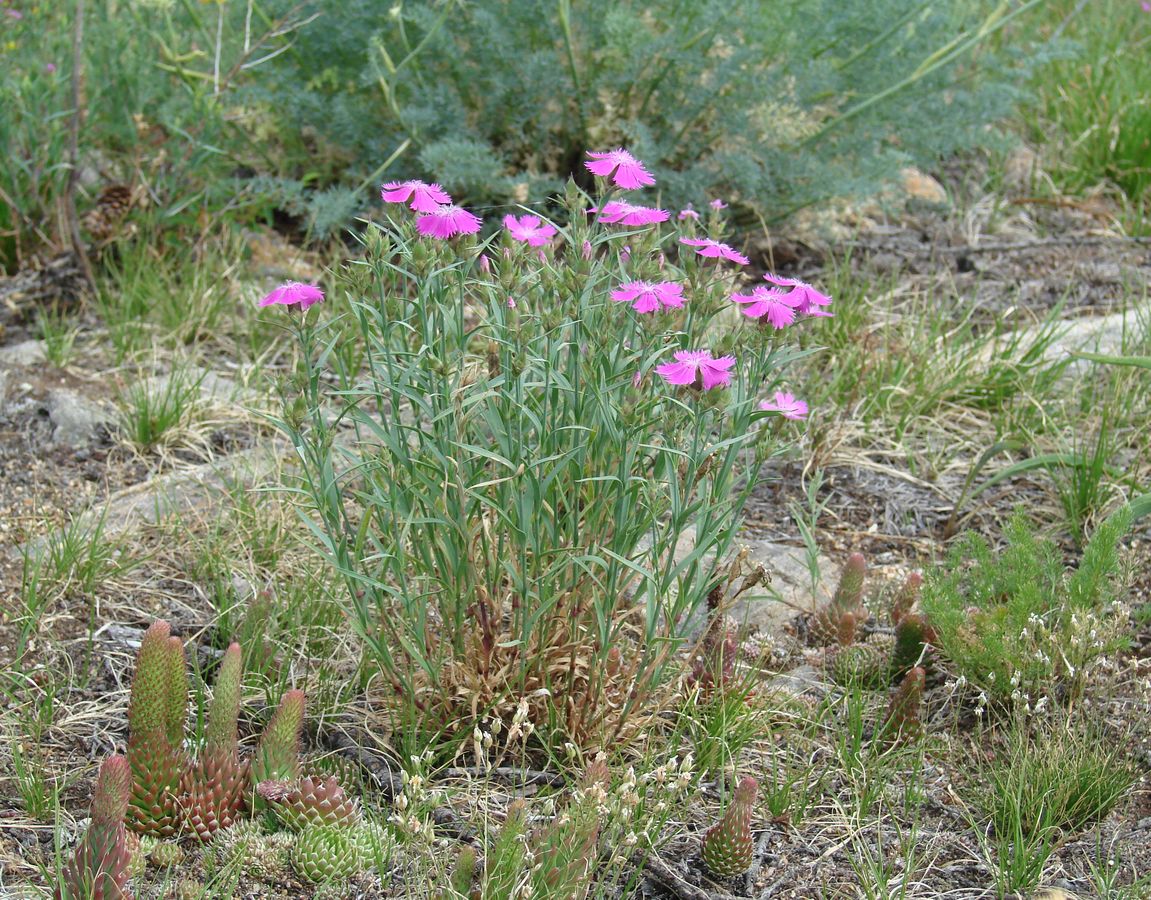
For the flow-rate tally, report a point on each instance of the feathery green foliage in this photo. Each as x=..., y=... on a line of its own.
x=763, y=102
x=1014, y=622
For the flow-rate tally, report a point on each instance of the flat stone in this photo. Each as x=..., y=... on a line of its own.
x=921, y=188
x=26, y=353
x=802, y=681
x=209, y=385
x=177, y=492
x=77, y=418
x=1099, y=334
x=768, y=608
x=789, y=592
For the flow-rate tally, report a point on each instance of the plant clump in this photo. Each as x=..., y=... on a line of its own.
x=728, y=847
x=561, y=407
x=1017, y=625
x=99, y=868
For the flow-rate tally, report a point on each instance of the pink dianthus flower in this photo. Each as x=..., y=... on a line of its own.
x=425, y=198
x=776, y=307
x=647, y=296
x=698, y=368
x=445, y=221
x=715, y=250
x=807, y=297
x=617, y=212
x=294, y=293
x=688, y=213
x=529, y=229
x=625, y=170
x=717, y=204
x=786, y=405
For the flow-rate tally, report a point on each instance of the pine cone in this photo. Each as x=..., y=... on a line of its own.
x=375, y=841
x=715, y=665
x=137, y=853
x=102, y=221
x=259, y=854
x=913, y=637
x=315, y=802
x=325, y=852
x=906, y=597
x=99, y=868
x=728, y=846
x=166, y=853
x=841, y=620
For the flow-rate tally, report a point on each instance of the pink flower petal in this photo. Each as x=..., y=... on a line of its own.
x=446, y=221
x=425, y=197
x=776, y=307
x=294, y=293
x=629, y=172
x=619, y=213
x=786, y=405
x=646, y=296
x=715, y=250
x=529, y=229
x=697, y=367
x=807, y=298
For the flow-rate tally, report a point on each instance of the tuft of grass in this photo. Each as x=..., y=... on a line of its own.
x=77, y=559
x=37, y=795
x=1041, y=787
x=154, y=412
x=1093, y=106
x=1082, y=485
x=59, y=335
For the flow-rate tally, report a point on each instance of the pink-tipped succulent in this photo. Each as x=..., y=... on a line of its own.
x=213, y=790
x=311, y=802
x=904, y=713
x=728, y=846
x=277, y=757
x=841, y=619
x=99, y=868
x=714, y=668
x=156, y=715
x=906, y=597
x=914, y=638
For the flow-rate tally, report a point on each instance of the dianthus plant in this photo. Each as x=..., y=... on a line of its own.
x=528, y=484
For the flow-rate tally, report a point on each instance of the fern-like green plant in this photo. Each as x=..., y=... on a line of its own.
x=1018, y=625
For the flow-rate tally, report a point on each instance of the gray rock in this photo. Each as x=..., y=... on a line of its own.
x=242, y=588
x=802, y=681
x=171, y=493
x=789, y=591
x=1099, y=334
x=3, y=389
x=77, y=418
x=767, y=608
x=207, y=383
x=26, y=353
